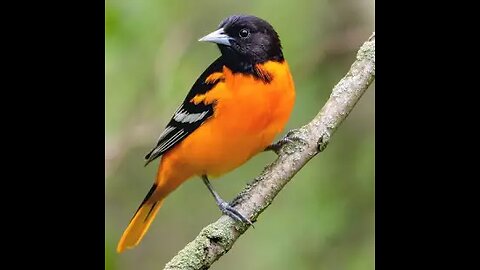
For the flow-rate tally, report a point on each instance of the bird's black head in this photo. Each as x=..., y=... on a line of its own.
x=246, y=40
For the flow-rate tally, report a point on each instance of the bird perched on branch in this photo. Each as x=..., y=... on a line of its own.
x=233, y=111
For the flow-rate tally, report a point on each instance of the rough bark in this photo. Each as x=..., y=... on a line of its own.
x=218, y=238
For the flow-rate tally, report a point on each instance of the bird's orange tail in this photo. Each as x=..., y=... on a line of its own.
x=140, y=222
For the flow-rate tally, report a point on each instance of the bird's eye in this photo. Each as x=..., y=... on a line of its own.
x=244, y=33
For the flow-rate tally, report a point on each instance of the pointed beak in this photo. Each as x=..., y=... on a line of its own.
x=218, y=37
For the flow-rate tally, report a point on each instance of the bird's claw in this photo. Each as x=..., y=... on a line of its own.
x=289, y=138
x=233, y=213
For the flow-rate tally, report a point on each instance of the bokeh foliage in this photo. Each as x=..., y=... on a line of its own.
x=323, y=219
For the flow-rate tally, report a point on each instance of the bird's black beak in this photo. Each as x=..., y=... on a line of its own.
x=218, y=37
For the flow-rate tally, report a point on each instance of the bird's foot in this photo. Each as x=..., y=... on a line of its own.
x=233, y=213
x=289, y=138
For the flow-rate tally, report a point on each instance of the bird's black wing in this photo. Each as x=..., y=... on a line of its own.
x=188, y=117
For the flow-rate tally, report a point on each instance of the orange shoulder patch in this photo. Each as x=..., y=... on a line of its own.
x=198, y=98
x=215, y=77
x=212, y=94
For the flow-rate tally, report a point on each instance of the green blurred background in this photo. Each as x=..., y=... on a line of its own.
x=323, y=219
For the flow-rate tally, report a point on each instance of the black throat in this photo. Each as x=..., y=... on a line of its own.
x=247, y=65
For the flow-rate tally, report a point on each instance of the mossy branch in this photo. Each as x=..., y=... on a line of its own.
x=218, y=238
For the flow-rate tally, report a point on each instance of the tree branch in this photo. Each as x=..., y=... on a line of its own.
x=218, y=238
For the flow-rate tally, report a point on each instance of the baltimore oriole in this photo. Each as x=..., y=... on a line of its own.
x=233, y=111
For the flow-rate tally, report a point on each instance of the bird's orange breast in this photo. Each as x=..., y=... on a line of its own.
x=248, y=114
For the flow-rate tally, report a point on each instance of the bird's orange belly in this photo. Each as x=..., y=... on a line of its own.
x=220, y=146
x=248, y=115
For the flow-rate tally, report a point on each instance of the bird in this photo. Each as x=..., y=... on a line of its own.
x=233, y=111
